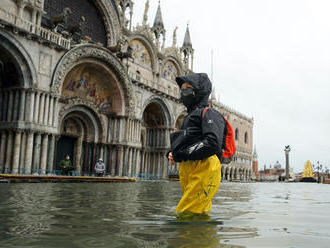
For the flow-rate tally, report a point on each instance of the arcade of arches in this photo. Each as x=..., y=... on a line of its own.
x=104, y=91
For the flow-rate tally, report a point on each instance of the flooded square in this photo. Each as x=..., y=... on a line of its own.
x=142, y=215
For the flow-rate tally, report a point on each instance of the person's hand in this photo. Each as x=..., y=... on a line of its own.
x=170, y=158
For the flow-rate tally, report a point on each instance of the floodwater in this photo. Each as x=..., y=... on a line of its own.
x=141, y=215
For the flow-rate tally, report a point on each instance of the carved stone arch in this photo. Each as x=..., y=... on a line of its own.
x=89, y=51
x=176, y=62
x=88, y=116
x=149, y=46
x=110, y=19
x=23, y=60
x=168, y=122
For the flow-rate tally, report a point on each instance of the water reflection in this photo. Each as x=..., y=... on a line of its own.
x=141, y=215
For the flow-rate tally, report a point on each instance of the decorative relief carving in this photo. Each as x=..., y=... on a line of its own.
x=45, y=63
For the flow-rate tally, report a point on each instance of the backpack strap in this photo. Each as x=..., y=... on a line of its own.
x=204, y=111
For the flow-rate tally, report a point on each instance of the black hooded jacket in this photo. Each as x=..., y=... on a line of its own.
x=198, y=137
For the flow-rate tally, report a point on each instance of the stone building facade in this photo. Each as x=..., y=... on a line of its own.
x=77, y=78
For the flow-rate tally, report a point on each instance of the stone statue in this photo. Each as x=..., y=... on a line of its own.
x=76, y=28
x=174, y=36
x=145, y=15
x=62, y=18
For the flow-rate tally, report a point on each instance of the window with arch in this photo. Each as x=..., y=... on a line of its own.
x=246, y=138
x=236, y=134
x=94, y=26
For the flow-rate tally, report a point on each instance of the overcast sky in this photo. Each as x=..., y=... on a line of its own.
x=271, y=62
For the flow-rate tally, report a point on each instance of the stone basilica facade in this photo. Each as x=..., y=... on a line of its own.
x=77, y=78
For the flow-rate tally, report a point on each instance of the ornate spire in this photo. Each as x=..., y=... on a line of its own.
x=158, y=28
x=187, y=40
x=187, y=50
x=158, y=22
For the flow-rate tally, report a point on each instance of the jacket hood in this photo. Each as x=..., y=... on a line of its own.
x=202, y=87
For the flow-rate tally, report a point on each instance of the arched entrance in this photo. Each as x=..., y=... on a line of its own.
x=155, y=126
x=16, y=74
x=79, y=136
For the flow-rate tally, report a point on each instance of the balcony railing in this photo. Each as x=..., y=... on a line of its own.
x=34, y=29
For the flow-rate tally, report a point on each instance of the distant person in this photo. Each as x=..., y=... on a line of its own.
x=196, y=146
x=66, y=166
x=99, y=167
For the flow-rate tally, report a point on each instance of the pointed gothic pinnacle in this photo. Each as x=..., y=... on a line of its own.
x=187, y=40
x=158, y=18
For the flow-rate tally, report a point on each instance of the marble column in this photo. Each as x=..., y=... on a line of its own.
x=2, y=150
x=125, y=162
x=51, y=154
x=51, y=111
x=164, y=165
x=22, y=106
x=137, y=163
x=9, y=152
x=55, y=109
x=46, y=110
x=78, y=154
x=10, y=106
x=36, y=154
x=141, y=167
x=129, y=173
x=17, y=146
x=114, y=130
x=43, y=159
x=113, y=160
x=16, y=105
x=29, y=106
x=34, y=18
x=21, y=169
x=120, y=160
x=42, y=108
x=4, y=106
x=36, y=107
x=159, y=166
x=29, y=152
x=131, y=128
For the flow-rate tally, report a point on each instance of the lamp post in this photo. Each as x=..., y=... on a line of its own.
x=319, y=168
x=287, y=150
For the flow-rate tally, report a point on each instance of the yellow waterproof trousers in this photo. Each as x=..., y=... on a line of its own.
x=199, y=181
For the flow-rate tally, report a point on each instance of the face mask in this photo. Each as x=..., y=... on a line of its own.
x=188, y=97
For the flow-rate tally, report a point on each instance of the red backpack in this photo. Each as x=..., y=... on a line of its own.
x=228, y=145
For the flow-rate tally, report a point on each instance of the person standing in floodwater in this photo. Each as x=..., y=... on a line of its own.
x=197, y=145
